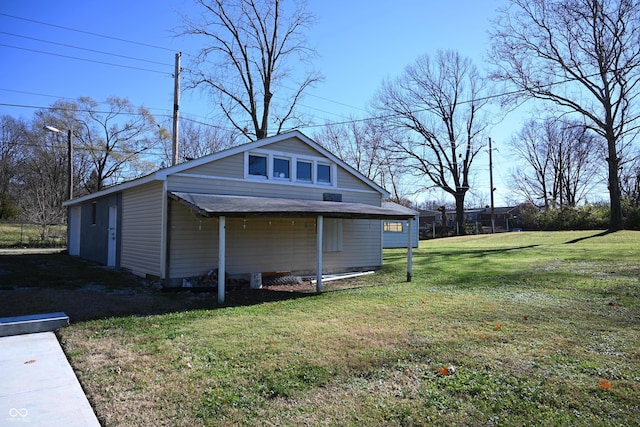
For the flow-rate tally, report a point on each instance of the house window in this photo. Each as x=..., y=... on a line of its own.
x=94, y=213
x=323, y=174
x=280, y=168
x=257, y=165
x=393, y=226
x=303, y=171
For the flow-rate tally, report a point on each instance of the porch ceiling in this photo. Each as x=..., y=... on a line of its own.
x=211, y=205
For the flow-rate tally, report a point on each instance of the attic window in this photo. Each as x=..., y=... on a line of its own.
x=280, y=168
x=257, y=165
x=303, y=170
x=324, y=174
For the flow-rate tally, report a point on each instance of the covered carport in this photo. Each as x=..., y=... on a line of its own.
x=223, y=206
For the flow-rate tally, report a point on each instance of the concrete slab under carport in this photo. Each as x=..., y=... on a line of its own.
x=38, y=386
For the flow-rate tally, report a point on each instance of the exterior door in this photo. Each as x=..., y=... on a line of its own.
x=73, y=223
x=112, y=236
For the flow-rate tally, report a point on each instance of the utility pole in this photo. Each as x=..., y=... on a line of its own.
x=493, y=218
x=176, y=106
x=69, y=159
x=69, y=165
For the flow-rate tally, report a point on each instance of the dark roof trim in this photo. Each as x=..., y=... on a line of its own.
x=211, y=205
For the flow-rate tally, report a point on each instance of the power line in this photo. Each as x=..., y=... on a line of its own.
x=86, y=60
x=86, y=49
x=34, y=93
x=86, y=32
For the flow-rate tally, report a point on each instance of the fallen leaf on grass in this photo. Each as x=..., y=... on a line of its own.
x=604, y=384
x=447, y=370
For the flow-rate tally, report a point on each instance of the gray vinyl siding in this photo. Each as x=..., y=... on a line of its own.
x=293, y=146
x=347, y=180
x=267, y=189
x=265, y=245
x=193, y=243
x=361, y=247
x=399, y=240
x=233, y=167
x=259, y=245
x=142, y=229
x=228, y=167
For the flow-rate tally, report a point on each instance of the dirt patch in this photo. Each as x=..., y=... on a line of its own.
x=97, y=302
x=44, y=283
x=52, y=282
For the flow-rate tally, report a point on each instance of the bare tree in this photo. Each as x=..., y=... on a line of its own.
x=12, y=142
x=559, y=166
x=115, y=139
x=433, y=112
x=197, y=140
x=363, y=145
x=630, y=182
x=252, y=45
x=42, y=178
x=575, y=162
x=582, y=55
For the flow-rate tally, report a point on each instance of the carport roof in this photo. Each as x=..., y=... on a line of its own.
x=210, y=205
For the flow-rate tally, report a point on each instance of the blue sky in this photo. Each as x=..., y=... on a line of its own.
x=359, y=43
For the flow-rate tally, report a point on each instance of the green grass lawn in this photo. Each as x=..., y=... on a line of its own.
x=542, y=329
x=14, y=234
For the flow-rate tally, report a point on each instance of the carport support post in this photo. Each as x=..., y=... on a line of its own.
x=222, y=238
x=409, y=251
x=319, y=226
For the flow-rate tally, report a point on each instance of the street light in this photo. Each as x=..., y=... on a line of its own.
x=69, y=159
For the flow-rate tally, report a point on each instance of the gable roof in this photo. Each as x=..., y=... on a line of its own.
x=162, y=174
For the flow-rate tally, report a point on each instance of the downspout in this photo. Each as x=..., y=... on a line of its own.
x=165, y=232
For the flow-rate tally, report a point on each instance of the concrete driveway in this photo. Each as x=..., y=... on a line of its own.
x=37, y=385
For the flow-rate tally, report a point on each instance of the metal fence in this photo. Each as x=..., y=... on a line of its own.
x=24, y=234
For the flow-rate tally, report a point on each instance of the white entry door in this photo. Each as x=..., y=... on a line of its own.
x=111, y=246
x=73, y=245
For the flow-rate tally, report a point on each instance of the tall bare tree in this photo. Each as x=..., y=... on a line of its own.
x=584, y=56
x=42, y=178
x=559, y=166
x=253, y=46
x=363, y=145
x=113, y=139
x=434, y=115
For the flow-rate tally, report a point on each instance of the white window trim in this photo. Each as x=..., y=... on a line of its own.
x=247, y=175
x=293, y=165
x=272, y=164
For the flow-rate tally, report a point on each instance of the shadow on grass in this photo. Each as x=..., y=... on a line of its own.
x=472, y=253
x=32, y=284
x=602, y=234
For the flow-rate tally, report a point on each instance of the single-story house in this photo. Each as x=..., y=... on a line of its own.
x=281, y=203
x=396, y=232
x=505, y=218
